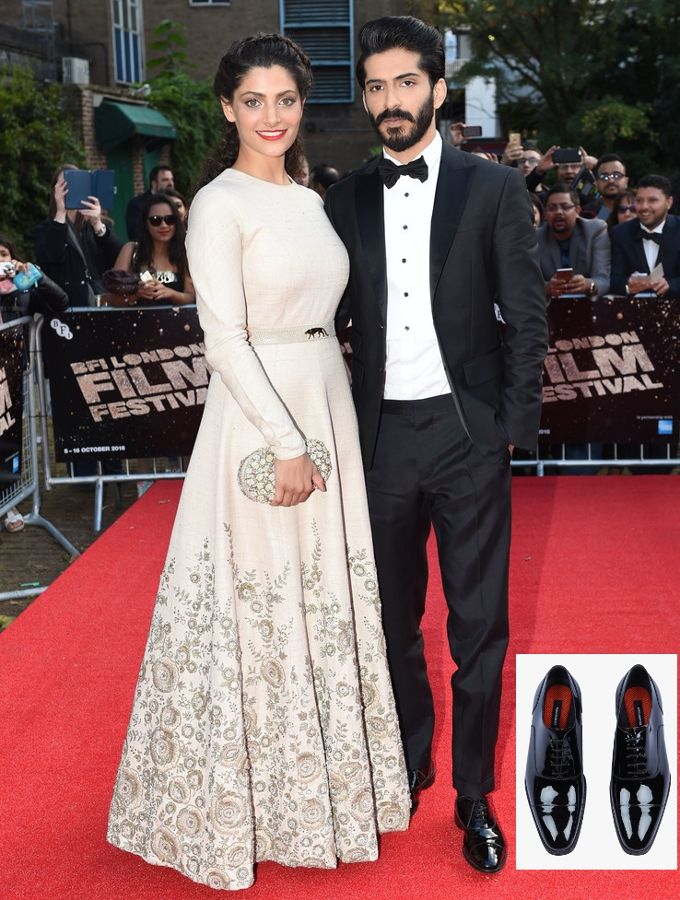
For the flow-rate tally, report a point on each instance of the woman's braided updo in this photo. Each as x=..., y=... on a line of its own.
x=258, y=51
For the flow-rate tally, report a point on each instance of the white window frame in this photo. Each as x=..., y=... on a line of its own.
x=122, y=14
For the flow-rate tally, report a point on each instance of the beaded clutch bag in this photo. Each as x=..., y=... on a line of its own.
x=256, y=476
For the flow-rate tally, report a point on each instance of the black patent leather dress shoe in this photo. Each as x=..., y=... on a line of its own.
x=483, y=842
x=419, y=780
x=641, y=778
x=554, y=780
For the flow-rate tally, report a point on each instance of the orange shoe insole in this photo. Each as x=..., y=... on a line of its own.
x=558, y=693
x=640, y=696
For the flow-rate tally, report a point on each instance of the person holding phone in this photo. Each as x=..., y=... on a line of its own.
x=75, y=246
x=159, y=258
x=574, y=252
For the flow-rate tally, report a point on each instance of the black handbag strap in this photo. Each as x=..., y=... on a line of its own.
x=74, y=242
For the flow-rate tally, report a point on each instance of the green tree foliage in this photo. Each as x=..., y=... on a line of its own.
x=37, y=134
x=190, y=104
x=601, y=73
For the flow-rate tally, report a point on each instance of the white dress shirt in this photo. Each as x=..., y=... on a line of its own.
x=414, y=368
x=651, y=248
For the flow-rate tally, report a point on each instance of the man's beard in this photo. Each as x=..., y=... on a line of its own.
x=396, y=139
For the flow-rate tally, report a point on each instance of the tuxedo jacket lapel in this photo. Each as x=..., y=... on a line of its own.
x=641, y=264
x=371, y=219
x=453, y=186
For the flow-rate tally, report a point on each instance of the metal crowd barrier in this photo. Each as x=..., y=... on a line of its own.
x=592, y=460
x=543, y=460
x=28, y=484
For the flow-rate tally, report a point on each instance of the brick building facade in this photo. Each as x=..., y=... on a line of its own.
x=106, y=45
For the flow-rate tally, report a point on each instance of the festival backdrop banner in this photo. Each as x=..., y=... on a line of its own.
x=612, y=372
x=125, y=383
x=11, y=402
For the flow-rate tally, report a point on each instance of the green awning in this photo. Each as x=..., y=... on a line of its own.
x=115, y=123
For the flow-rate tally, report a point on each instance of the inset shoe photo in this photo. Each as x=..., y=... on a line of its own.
x=554, y=782
x=609, y=720
x=641, y=778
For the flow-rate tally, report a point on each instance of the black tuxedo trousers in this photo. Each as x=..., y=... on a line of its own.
x=427, y=473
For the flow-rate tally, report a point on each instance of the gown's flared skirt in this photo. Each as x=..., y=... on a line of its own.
x=264, y=725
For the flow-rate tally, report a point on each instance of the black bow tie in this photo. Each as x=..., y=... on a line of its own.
x=390, y=172
x=651, y=236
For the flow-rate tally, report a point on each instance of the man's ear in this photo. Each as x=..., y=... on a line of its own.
x=363, y=100
x=227, y=110
x=439, y=92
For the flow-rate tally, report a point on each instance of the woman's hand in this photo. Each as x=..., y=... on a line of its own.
x=60, y=192
x=147, y=289
x=156, y=291
x=296, y=479
x=92, y=211
x=163, y=293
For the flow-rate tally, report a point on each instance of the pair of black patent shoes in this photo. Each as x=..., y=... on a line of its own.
x=555, y=783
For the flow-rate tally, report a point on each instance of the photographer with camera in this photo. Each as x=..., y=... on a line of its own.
x=24, y=289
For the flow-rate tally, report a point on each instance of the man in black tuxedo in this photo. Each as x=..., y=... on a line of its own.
x=435, y=237
x=640, y=245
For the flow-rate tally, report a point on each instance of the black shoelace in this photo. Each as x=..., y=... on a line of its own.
x=560, y=757
x=479, y=817
x=636, y=752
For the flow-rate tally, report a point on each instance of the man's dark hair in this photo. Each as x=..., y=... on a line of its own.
x=405, y=33
x=324, y=174
x=562, y=188
x=660, y=182
x=153, y=174
x=607, y=158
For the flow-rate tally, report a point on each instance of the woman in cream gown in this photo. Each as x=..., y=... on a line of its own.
x=263, y=724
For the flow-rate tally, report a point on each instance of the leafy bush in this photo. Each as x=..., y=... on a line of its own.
x=190, y=104
x=37, y=134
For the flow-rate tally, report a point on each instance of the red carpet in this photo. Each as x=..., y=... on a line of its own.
x=588, y=554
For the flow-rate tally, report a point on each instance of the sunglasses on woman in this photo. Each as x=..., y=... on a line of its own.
x=625, y=209
x=156, y=220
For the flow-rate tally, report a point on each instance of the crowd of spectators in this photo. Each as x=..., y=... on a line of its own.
x=597, y=231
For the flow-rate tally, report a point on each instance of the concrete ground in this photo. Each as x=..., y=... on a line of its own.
x=32, y=556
